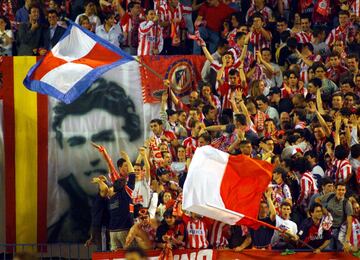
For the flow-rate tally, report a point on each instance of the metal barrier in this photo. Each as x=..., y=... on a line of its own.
x=47, y=251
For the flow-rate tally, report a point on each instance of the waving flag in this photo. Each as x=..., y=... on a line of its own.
x=225, y=187
x=74, y=63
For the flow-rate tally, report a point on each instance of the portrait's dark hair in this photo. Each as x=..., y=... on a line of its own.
x=106, y=95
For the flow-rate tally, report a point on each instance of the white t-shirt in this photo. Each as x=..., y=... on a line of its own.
x=285, y=224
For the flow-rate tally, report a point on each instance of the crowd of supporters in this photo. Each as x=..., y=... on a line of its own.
x=281, y=83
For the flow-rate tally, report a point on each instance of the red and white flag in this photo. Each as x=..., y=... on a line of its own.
x=225, y=187
x=73, y=64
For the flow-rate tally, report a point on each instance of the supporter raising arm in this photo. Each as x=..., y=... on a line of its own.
x=114, y=175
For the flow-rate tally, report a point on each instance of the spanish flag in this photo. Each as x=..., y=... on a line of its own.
x=25, y=134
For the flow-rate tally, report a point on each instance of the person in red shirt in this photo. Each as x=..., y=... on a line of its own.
x=130, y=22
x=172, y=21
x=227, y=89
x=214, y=12
x=335, y=69
x=259, y=36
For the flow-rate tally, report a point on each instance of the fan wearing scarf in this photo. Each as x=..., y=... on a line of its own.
x=315, y=230
x=143, y=232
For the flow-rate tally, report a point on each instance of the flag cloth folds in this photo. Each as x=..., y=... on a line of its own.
x=75, y=62
x=225, y=187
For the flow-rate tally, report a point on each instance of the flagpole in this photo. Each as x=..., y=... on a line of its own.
x=158, y=76
x=277, y=229
x=262, y=223
x=148, y=68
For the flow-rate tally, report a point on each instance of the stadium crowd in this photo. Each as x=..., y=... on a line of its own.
x=281, y=83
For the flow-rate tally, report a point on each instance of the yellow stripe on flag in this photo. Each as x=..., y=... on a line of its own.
x=25, y=106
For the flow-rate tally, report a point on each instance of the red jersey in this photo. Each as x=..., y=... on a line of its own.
x=303, y=37
x=258, y=40
x=166, y=14
x=266, y=13
x=225, y=91
x=215, y=15
x=150, y=38
x=340, y=33
x=343, y=170
x=307, y=188
x=197, y=231
x=219, y=234
x=334, y=73
x=130, y=26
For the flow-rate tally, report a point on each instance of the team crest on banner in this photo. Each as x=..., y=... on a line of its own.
x=183, y=73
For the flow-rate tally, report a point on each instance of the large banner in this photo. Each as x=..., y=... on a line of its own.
x=183, y=72
x=111, y=114
x=49, y=161
x=209, y=254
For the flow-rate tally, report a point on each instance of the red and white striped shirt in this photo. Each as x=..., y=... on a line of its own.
x=266, y=13
x=303, y=37
x=258, y=40
x=307, y=188
x=215, y=65
x=343, y=170
x=191, y=142
x=197, y=232
x=355, y=232
x=231, y=37
x=150, y=38
x=355, y=7
x=300, y=125
x=166, y=14
x=339, y=33
x=304, y=67
x=219, y=234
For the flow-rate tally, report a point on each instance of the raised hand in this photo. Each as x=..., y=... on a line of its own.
x=99, y=147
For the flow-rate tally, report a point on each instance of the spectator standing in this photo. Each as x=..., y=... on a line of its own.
x=30, y=36
x=214, y=13
x=91, y=13
x=54, y=32
x=110, y=30
x=151, y=41
x=6, y=37
x=130, y=23
x=341, y=211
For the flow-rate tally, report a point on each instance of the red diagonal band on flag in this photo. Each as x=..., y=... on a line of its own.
x=49, y=63
x=98, y=56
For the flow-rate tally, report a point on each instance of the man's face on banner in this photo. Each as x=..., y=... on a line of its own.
x=79, y=157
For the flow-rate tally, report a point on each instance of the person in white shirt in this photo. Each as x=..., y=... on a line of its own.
x=282, y=241
x=110, y=31
x=220, y=51
x=90, y=12
x=6, y=37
